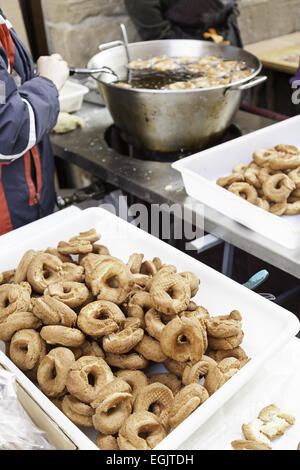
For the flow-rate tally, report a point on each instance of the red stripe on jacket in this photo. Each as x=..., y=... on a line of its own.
x=5, y=220
x=37, y=161
x=30, y=183
x=7, y=44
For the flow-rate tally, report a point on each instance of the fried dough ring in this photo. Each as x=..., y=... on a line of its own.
x=132, y=361
x=238, y=353
x=41, y=265
x=165, y=65
x=174, y=367
x=240, y=168
x=71, y=272
x=193, y=371
x=135, y=378
x=14, y=298
x=62, y=335
x=262, y=157
x=220, y=328
x=249, y=445
x=113, y=405
x=100, y=318
x=139, y=303
x=155, y=394
x=291, y=149
x=75, y=247
x=292, y=208
x=88, y=348
x=186, y=401
x=245, y=191
x=53, y=371
x=154, y=323
x=251, y=175
x=53, y=312
x=180, y=86
x=91, y=235
x=135, y=262
x=106, y=442
x=78, y=412
x=148, y=268
x=112, y=280
x=192, y=280
x=8, y=277
x=199, y=312
x=279, y=208
x=18, y=321
x=55, y=252
x=168, y=379
x=219, y=375
x=140, y=424
x=26, y=349
x=21, y=271
x=263, y=204
x=84, y=369
x=170, y=293
x=285, y=161
x=124, y=340
x=236, y=177
x=70, y=293
x=294, y=175
x=265, y=172
x=142, y=281
x=188, y=329
x=226, y=344
x=150, y=349
x=277, y=188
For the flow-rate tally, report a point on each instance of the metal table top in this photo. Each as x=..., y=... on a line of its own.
x=159, y=183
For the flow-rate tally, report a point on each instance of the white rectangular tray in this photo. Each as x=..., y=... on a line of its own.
x=201, y=171
x=267, y=326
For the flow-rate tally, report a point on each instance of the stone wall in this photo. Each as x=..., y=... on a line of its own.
x=265, y=19
x=75, y=28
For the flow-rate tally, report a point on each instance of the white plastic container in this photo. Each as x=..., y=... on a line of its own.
x=201, y=171
x=267, y=326
x=71, y=96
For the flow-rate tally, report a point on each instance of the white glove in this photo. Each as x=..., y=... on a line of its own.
x=54, y=68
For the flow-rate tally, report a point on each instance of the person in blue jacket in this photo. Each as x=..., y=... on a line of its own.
x=29, y=108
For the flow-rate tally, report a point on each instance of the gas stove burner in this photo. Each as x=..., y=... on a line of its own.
x=116, y=141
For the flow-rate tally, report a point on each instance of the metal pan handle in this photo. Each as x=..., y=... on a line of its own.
x=246, y=86
x=109, y=45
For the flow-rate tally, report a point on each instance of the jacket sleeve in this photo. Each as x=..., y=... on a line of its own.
x=147, y=16
x=27, y=113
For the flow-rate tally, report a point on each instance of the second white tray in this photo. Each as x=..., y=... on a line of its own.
x=201, y=171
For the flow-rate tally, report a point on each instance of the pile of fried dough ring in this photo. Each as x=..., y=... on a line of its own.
x=85, y=327
x=271, y=181
x=208, y=71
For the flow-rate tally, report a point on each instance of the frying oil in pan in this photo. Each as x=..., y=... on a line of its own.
x=180, y=73
x=156, y=80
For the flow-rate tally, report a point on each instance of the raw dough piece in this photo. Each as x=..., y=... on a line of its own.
x=67, y=122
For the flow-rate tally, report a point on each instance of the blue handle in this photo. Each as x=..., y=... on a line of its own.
x=257, y=279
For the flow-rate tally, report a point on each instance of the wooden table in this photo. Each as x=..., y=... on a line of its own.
x=281, y=53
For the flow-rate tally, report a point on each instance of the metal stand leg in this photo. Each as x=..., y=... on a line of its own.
x=288, y=295
x=228, y=257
